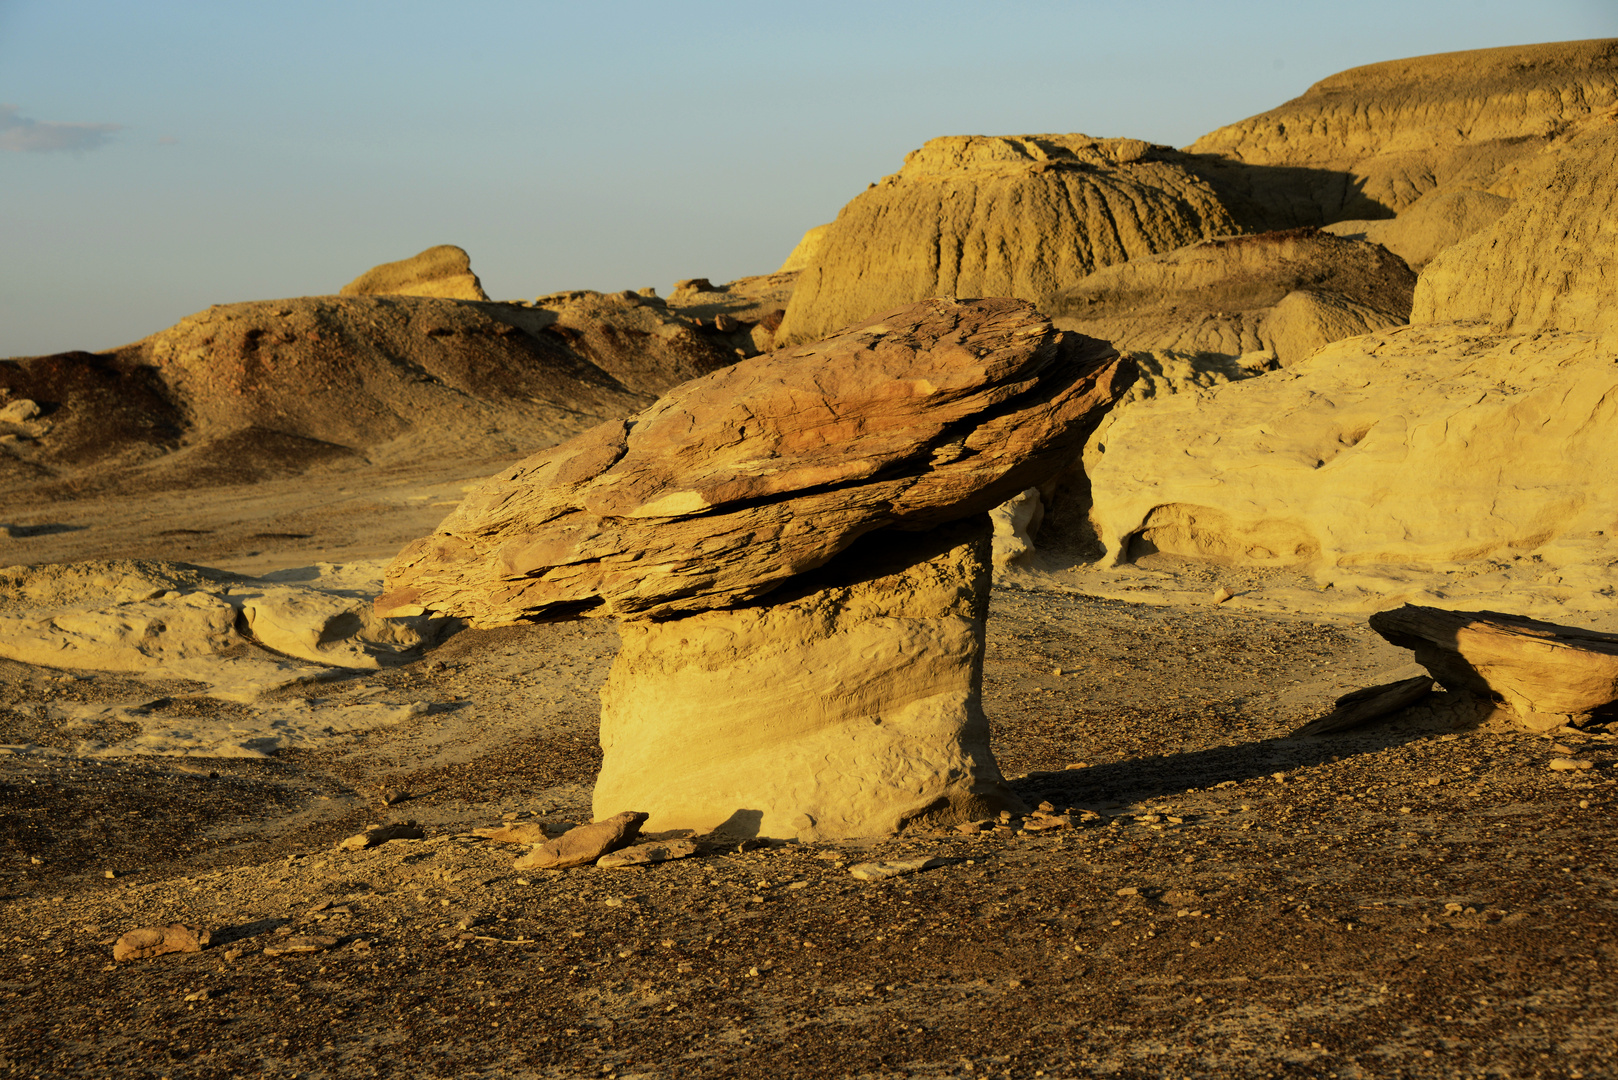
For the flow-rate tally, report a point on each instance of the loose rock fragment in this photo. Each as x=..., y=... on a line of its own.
x=381, y=834
x=527, y=832
x=643, y=854
x=1363, y=707
x=300, y=943
x=877, y=871
x=1563, y=764
x=584, y=844
x=151, y=941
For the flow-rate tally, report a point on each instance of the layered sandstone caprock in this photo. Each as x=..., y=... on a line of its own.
x=1545, y=674
x=735, y=482
x=1019, y=216
x=1285, y=292
x=445, y=271
x=1549, y=261
x=1424, y=445
x=849, y=706
x=1371, y=141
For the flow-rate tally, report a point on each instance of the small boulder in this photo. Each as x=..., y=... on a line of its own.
x=381, y=834
x=1548, y=675
x=151, y=941
x=645, y=854
x=18, y=412
x=584, y=844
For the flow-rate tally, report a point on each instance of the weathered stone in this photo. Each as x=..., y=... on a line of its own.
x=156, y=940
x=1548, y=675
x=527, y=832
x=381, y=834
x=740, y=480
x=19, y=411
x=1563, y=764
x=1019, y=216
x=300, y=943
x=847, y=706
x=444, y=271
x=1363, y=707
x=806, y=249
x=584, y=844
x=645, y=854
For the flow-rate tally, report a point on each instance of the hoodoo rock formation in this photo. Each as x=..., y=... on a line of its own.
x=763, y=479
x=1020, y=216
x=737, y=481
x=1287, y=292
x=445, y=271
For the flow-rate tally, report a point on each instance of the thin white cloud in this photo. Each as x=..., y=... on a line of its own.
x=20, y=134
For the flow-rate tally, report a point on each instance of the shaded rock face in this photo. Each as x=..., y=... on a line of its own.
x=1549, y=261
x=444, y=271
x=1547, y=675
x=848, y=706
x=1020, y=216
x=1287, y=292
x=1423, y=445
x=1435, y=221
x=244, y=392
x=1401, y=129
x=737, y=481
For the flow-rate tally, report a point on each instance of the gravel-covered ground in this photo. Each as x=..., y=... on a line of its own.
x=1418, y=900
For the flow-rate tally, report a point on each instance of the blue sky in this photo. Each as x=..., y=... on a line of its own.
x=157, y=157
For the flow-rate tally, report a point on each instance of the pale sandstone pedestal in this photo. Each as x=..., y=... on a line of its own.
x=850, y=705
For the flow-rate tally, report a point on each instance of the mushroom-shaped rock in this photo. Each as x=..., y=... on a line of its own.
x=836, y=481
x=737, y=481
x=445, y=270
x=1548, y=675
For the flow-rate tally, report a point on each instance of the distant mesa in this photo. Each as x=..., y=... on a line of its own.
x=444, y=271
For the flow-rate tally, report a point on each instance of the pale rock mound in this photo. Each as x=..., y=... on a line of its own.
x=1445, y=447
x=1368, y=142
x=444, y=271
x=1546, y=675
x=1549, y=261
x=807, y=248
x=1286, y=292
x=1437, y=220
x=850, y=707
x=737, y=481
x=1021, y=216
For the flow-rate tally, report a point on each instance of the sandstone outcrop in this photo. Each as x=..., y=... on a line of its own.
x=735, y=482
x=1288, y=292
x=1548, y=261
x=1368, y=142
x=644, y=342
x=849, y=705
x=1546, y=675
x=1021, y=216
x=444, y=271
x=1437, y=220
x=1425, y=445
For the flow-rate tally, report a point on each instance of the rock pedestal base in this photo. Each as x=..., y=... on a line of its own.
x=850, y=706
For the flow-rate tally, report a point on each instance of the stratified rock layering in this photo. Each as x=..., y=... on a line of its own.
x=1016, y=216
x=1398, y=130
x=1549, y=261
x=848, y=708
x=1275, y=291
x=445, y=270
x=1547, y=675
x=736, y=481
x=1421, y=445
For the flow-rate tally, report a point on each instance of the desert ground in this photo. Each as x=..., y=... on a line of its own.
x=1423, y=899
x=1350, y=354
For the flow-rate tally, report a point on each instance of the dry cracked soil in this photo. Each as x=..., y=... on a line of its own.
x=1426, y=898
